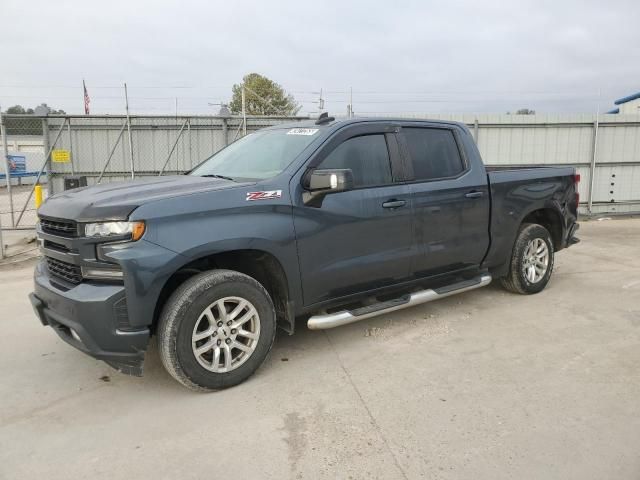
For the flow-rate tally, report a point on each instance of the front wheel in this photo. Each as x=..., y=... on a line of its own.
x=531, y=261
x=216, y=330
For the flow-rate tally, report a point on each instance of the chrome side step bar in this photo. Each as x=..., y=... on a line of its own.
x=332, y=320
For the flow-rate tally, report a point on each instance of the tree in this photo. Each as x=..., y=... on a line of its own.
x=29, y=125
x=262, y=97
x=525, y=111
x=20, y=110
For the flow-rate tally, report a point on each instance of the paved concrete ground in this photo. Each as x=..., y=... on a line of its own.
x=485, y=385
x=20, y=194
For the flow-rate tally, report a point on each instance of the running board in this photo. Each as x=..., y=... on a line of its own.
x=332, y=320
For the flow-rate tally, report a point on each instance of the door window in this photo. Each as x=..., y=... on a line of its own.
x=434, y=153
x=367, y=157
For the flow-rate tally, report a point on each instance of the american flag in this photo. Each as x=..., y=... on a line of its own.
x=87, y=100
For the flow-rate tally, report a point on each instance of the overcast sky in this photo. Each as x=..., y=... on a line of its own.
x=400, y=56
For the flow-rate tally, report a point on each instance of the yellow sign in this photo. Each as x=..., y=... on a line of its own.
x=61, y=156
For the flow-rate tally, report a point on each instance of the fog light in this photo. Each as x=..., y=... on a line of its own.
x=102, y=273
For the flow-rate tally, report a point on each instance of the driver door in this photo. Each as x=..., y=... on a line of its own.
x=360, y=239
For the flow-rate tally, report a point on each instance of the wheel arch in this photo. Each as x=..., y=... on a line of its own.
x=261, y=265
x=551, y=219
x=544, y=214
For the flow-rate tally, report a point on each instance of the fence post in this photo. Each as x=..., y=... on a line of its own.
x=592, y=167
x=175, y=144
x=190, y=148
x=225, y=132
x=47, y=161
x=244, y=113
x=113, y=150
x=7, y=167
x=44, y=164
x=73, y=170
x=126, y=101
x=1, y=241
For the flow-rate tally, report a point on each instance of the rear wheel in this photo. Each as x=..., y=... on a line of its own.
x=216, y=330
x=531, y=261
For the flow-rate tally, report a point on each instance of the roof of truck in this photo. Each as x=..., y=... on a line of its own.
x=340, y=122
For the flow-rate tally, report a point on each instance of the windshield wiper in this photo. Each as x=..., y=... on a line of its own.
x=218, y=176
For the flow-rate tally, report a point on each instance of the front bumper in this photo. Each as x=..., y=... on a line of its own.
x=88, y=316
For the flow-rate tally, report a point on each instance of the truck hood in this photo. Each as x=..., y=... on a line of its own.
x=116, y=200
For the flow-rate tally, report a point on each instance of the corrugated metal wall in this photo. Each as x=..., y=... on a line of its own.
x=611, y=142
x=174, y=143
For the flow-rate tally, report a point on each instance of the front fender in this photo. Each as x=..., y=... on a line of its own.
x=196, y=233
x=146, y=267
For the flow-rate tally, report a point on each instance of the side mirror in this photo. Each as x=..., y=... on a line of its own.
x=319, y=183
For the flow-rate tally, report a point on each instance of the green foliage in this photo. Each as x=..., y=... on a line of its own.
x=26, y=125
x=262, y=97
x=20, y=110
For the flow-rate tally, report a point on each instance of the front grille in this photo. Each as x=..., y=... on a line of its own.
x=56, y=246
x=67, y=271
x=64, y=228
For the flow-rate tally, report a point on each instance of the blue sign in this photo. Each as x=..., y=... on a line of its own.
x=17, y=164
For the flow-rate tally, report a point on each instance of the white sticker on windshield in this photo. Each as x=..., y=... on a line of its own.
x=302, y=131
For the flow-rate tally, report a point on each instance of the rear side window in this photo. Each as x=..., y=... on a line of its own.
x=366, y=156
x=434, y=153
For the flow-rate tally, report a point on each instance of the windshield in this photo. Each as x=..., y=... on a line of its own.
x=261, y=155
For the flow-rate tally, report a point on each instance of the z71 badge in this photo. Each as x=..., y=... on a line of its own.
x=267, y=195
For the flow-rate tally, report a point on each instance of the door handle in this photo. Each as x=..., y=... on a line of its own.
x=474, y=194
x=394, y=204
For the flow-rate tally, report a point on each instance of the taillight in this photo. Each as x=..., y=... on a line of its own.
x=576, y=181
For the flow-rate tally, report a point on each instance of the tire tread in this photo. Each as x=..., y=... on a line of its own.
x=513, y=281
x=175, y=307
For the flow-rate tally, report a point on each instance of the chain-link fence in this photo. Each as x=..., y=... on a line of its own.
x=116, y=148
x=21, y=143
x=48, y=150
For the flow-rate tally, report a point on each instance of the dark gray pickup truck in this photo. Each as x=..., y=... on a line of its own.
x=327, y=221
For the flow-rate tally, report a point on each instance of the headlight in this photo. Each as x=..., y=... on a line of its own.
x=115, y=229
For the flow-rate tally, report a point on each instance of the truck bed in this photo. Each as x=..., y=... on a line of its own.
x=515, y=191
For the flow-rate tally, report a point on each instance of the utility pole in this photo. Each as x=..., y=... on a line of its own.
x=320, y=103
x=244, y=112
x=126, y=104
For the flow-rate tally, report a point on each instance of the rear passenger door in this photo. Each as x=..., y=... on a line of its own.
x=359, y=239
x=450, y=200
